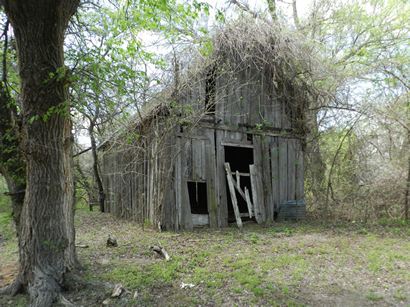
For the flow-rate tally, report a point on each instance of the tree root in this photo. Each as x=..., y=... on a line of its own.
x=13, y=289
x=73, y=281
x=65, y=302
x=44, y=290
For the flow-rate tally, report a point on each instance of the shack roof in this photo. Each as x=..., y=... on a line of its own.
x=241, y=43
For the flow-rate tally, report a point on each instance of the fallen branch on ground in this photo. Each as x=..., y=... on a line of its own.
x=161, y=251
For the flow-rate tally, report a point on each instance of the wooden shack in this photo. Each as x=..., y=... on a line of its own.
x=225, y=145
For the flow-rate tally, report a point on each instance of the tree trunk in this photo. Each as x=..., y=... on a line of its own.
x=47, y=249
x=295, y=15
x=272, y=9
x=101, y=194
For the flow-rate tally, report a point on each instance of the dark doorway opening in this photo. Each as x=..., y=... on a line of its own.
x=239, y=159
x=198, y=197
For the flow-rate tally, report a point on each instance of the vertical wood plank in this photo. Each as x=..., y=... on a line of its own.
x=248, y=202
x=267, y=178
x=291, y=169
x=238, y=180
x=211, y=178
x=221, y=183
x=203, y=154
x=283, y=170
x=261, y=190
x=233, y=195
x=186, y=217
x=256, y=193
x=178, y=180
x=254, y=98
x=274, y=151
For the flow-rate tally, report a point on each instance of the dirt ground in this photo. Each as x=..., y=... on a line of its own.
x=286, y=264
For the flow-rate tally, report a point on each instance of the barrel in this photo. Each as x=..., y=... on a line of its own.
x=292, y=210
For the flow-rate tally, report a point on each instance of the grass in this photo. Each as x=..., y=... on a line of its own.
x=288, y=264
x=374, y=297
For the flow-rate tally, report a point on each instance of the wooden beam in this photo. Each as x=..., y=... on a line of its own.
x=241, y=174
x=281, y=132
x=248, y=202
x=211, y=178
x=242, y=145
x=255, y=196
x=220, y=183
x=233, y=195
x=241, y=192
x=238, y=180
x=275, y=172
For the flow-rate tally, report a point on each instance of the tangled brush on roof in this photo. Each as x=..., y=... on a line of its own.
x=282, y=55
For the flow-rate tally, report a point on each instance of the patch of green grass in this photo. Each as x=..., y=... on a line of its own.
x=249, y=278
x=7, y=231
x=254, y=238
x=282, y=230
x=4, y=200
x=374, y=297
x=318, y=250
x=6, y=225
x=197, y=259
x=285, y=290
x=393, y=222
x=6, y=219
x=243, y=271
x=284, y=260
x=144, y=276
x=81, y=205
x=384, y=258
x=400, y=295
x=20, y=300
x=210, y=278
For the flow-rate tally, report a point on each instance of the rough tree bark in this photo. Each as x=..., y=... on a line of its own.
x=47, y=250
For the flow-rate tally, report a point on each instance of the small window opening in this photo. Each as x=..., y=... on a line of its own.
x=249, y=137
x=198, y=197
x=210, y=85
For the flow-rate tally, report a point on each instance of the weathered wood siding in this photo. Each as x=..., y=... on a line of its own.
x=137, y=176
x=244, y=97
x=147, y=180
